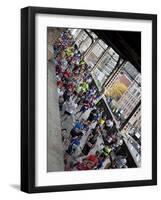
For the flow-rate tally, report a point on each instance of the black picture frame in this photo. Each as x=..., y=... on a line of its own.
x=28, y=98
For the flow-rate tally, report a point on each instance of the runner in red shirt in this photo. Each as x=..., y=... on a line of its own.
x=89, y=163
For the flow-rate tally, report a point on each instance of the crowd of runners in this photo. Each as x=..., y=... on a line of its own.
x=89, y=136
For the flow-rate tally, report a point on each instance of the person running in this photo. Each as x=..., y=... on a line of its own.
x=75, y=142
x=90, y=92
x=85, y=107
x=102, y=121
x=92, y=115
x=106, y=151
x=70, y=109
x=85, y=86
x=92, y=160
x=77, y=129
x=66, y=95
x=88, y=163
x=101, y=160
x=79, y=124
x=109, y=126
x=121, y=162
x=91, y=141
x=98, y=115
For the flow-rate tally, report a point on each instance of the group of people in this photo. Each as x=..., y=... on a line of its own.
x=79, y=103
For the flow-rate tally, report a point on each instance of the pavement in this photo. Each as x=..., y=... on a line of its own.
x=55, y=151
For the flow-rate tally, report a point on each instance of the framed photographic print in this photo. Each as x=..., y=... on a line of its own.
x=88, y=99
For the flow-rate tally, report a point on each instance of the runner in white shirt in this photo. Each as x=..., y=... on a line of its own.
x=70, y=109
